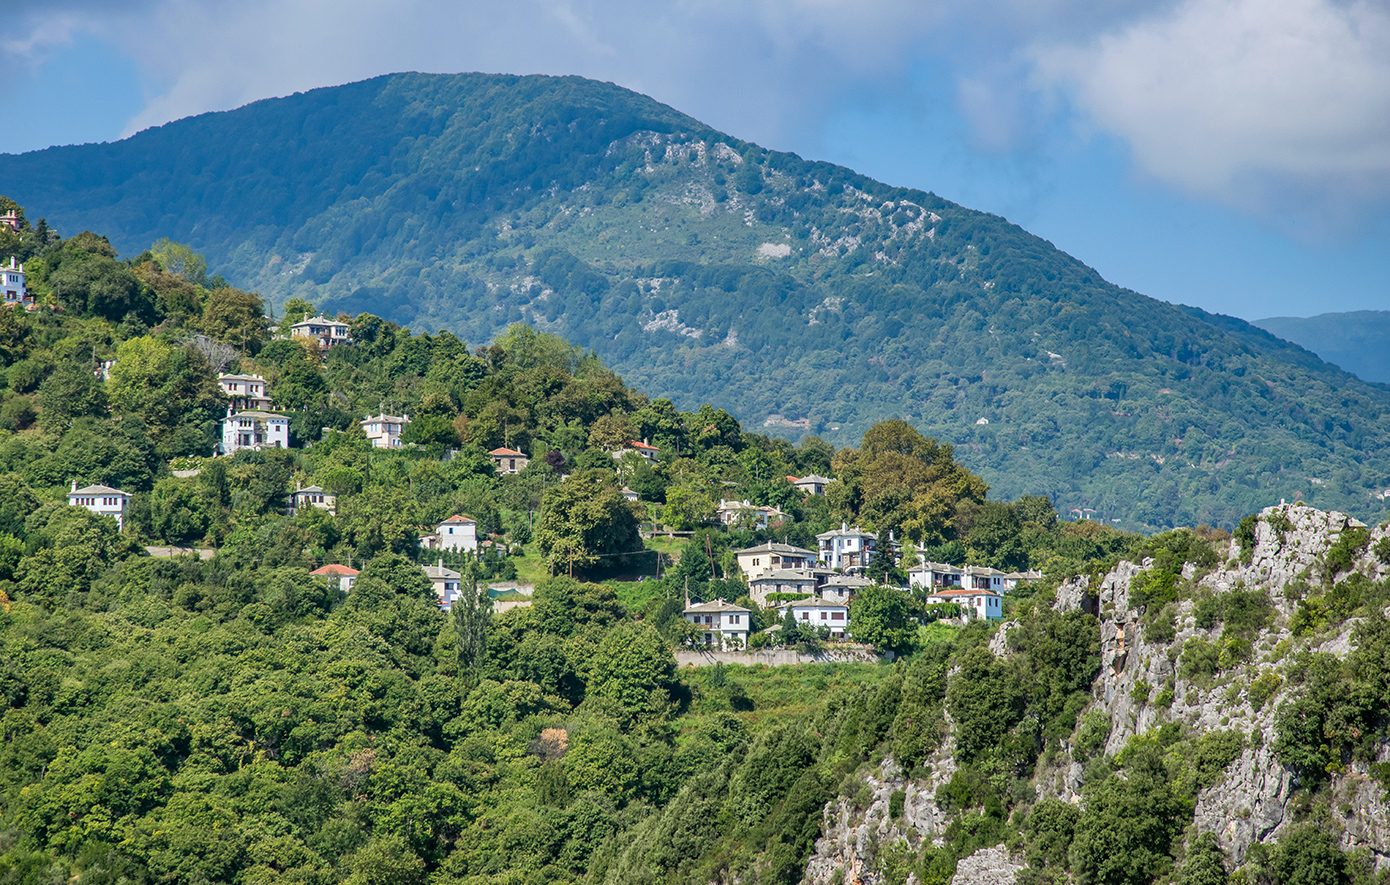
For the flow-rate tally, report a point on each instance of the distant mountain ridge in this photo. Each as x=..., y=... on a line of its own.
x=705, y=268
x=1357, y=340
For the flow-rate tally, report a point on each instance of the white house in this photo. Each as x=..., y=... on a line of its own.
x=508, y=460
x=649, y=452
x=816, y=612
x=1013, y=579
x=725, y=625
x=323, y=330
x=974, y=603
x=445, y=581
x=339, y=575
x=455, y=533
x=12, y=281
x=771, y=555
x=812, y=484
x=847, y=548
x=255, y=430
x=245, y=391
x=979, y=577
x=384, y=430
x=311, y=496
x=745, y=512
x=933, y=575
x=101, y=500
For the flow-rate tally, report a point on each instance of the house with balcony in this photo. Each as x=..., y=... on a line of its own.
x=245, y=392
x=101, y=500
x=255, y=430
x=12, y=283
x=384, y=431
x=933, y=576
x=847, y=549
x=722, y=624
x=323, y=331
x=753, y=561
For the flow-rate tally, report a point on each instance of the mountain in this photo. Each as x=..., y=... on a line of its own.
x=1355, y=340
x=801, y=296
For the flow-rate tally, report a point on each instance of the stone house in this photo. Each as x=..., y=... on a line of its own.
x=771, y=555
x=325, y=332
x=508, y=460
x=446, y=583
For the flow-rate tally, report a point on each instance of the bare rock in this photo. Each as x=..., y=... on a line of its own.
x=988, y=866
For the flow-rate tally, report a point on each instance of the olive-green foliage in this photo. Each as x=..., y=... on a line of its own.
x=1092, y=734
x=1154, y=587
x=1205, y=863
x=1129, y=824
x=1334, y=709
x=985, y=702
x=1049, y=830
x=1351, y=543
x=1308, y=855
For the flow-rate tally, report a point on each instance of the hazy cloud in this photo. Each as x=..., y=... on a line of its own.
x=1269, y=105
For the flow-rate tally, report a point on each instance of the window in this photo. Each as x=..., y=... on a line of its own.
x=837, y=616
x=805, y=616
x=822, y=616
x=733, y=619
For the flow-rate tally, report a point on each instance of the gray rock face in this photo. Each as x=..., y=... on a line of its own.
x=1250, y=802
x=988, y=866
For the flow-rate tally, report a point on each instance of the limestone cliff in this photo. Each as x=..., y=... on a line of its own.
x=1144, y=684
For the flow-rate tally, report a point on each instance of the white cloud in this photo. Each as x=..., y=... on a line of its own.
x=1269, y=105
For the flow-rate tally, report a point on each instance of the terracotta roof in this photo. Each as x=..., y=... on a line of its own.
x=457, y=519
x=508, y=453
x=335, y=569
x=639, y=445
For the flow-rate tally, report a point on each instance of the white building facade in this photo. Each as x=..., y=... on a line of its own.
x=455, y=533
x=983, y=604
x=255, y=430
x=325, y=332
x=384, y=430
x=722, y=624
x=848, y=549
x=101, y=500
x=245, y=392
x=815, y=612
x=12, y=282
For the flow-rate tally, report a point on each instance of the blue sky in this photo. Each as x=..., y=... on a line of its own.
x=1231, y=154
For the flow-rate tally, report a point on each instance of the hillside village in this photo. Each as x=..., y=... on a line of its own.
x=321, y=599
x=270, y=393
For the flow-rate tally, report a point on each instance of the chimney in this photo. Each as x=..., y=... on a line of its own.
x=441, y=562
x=74, y=485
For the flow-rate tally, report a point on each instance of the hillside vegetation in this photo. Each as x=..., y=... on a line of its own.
x=1354, y=340
x=800, y=294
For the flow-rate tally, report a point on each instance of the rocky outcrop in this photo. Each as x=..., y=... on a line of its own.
x=1141, y=686
x=1250, y=803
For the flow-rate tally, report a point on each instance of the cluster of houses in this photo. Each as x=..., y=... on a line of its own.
x=817, y=587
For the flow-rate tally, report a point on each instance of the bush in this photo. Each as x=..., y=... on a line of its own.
x=1200, y=661
x=1154, y=586
x=1351, y=543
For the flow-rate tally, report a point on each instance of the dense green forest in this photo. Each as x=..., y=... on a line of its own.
x=235, y=719
x=803, y=296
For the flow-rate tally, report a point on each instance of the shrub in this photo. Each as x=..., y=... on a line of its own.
x=1092, y=735
x=1263, y=688
x=1350, y=544
x=1153, y=586
x=1200, y=661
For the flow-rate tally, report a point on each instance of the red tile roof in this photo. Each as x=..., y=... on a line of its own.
x=335, y=569
x=508, y=453
x=458, y=519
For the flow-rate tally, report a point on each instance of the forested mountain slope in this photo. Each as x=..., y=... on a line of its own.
x=1356, y=340
x=705, y=268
